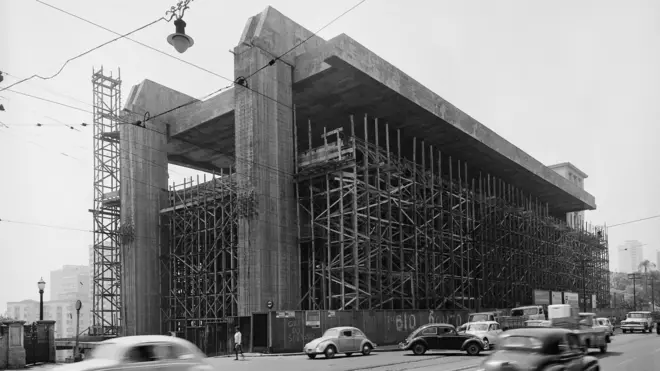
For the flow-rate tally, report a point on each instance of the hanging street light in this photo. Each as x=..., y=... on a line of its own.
x=179, y=40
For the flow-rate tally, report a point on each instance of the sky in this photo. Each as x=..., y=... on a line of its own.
x=562, y=80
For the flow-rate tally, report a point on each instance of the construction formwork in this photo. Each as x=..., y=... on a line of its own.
x=383, y=223
x=380, y=231
x=106, y=277
x=201, y=263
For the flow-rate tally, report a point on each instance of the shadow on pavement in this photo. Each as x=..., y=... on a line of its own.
x=605, y=355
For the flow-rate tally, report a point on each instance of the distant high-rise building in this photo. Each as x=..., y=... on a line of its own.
x=577, y=177
x=657, y=259
x=630, y=255
x=70, y=283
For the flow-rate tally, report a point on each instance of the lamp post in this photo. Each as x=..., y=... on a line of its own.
x=634, y=277
x=42, y=285
x=179, y=40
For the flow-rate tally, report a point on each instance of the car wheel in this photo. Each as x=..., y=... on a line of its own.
x=311, y=356
x=472, y=349
x=603, y=348
x=419, y=349
x=366, y=349
x=330, y=351
x=486, y=344
x=349, y=354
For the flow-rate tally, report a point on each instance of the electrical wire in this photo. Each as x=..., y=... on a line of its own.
x=634, y=221
x=82, y=54
x=133, y=40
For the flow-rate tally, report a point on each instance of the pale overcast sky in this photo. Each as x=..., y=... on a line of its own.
x=564, y=80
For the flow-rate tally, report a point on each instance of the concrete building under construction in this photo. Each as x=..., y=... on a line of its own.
x=340, y=183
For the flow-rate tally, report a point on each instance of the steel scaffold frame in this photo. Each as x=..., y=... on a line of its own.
x=106, y=278
x=381, y=231
x=202, y=261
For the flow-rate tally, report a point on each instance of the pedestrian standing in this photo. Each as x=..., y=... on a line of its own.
x=238, y=338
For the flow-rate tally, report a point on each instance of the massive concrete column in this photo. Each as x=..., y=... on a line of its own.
x=267, y=246
x=143, y=194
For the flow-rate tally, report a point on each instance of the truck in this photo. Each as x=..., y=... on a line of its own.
x=506, y=322
x=637, y=321
x=530, y=312
x=590, y=334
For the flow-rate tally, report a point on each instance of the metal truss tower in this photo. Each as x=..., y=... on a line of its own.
x=106, y=284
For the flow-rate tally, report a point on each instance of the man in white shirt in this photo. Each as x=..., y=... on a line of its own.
x=237, y=343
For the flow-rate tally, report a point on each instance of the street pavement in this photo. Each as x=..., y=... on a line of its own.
x=630, y=352
x=633, y=352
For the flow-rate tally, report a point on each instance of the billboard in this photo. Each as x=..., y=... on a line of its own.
x=557, y=297
x=541, y=297
x=572, y=299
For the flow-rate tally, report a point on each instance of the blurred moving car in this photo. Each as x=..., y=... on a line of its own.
x=441, y=336
x=347, y=340
x=148, y=352
x=605, y=323
x=487, y=331
x=544, y=349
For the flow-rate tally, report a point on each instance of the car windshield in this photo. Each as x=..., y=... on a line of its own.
x=638, y=315
x=478, y=327
x=520, y=343
x=524, y=312
x=105, y=351
x=479, y=317
x=331, y=332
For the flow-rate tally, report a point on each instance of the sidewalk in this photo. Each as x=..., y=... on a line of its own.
x=379, y=349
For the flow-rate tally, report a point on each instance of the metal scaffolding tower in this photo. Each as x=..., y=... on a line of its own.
x=106, y=280
x=202, y=261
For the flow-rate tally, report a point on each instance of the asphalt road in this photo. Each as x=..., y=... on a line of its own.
x=629, y=352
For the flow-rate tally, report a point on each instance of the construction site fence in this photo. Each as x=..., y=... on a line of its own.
x=290, y=331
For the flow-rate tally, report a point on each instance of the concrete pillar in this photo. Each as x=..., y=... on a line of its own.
x=48, y=329
x=16, y=346
x=143, y=194
x=267, y=246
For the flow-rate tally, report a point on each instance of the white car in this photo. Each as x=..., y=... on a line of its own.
x=147, y=352
x=605, y=323
x=487, y=331
x=347, y=340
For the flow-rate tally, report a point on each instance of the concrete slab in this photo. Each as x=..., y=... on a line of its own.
x=343, y=76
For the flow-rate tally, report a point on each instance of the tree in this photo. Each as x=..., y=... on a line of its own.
x=5, y=318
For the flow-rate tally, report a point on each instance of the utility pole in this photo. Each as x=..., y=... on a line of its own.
x=584, y=285
x=634, y=277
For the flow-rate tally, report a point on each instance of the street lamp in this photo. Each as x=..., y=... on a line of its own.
x=42, y=285
x=179, y=40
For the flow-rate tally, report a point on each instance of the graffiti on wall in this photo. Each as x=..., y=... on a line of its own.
x=406, y=322
x=296, y=333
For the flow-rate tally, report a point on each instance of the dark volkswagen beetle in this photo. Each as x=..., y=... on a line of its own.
x=441, y=336
x=539, y=349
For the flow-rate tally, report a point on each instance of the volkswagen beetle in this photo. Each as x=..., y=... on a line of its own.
x=441, y=336
x=347, y=340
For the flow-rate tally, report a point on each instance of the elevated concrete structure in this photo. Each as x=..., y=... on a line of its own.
x=252, y=131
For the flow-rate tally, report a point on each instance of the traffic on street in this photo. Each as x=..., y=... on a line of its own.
x=638, y=352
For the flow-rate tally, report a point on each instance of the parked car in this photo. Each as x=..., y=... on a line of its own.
x=487, y=331
x=148, y=352
x=347, y=340
x=605, y=323
x=441, y=336
x=546, y=349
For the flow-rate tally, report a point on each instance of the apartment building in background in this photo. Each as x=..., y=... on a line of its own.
x=630, y=254
x=66, y=286
x=577, y=177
